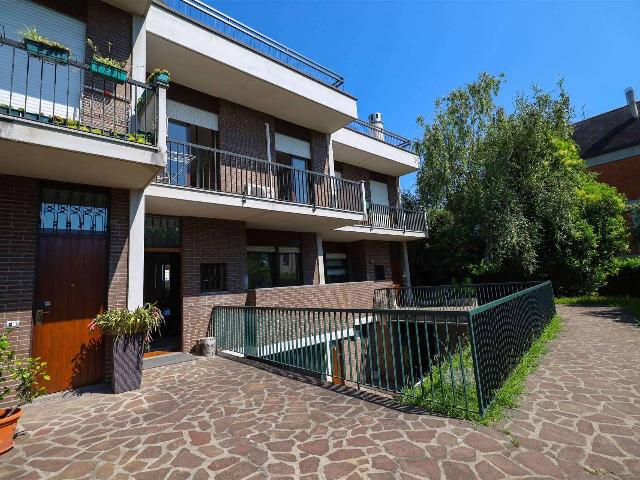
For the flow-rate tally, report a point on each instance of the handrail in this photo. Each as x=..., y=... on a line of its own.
x=395, y=218
x=208, y=168
x=261, y=43
x=391, y=138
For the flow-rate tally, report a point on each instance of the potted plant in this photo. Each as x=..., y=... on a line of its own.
x=27, y=375
x=4, y=108
x=107, y=67
x=41, y=46
x=159, y=76
x=127, y=331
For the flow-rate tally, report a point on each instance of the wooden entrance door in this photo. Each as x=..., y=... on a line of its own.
x=70, y=292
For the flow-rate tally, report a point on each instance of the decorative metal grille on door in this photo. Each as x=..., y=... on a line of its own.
x=66, y=210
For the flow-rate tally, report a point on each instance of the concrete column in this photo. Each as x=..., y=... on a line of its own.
x=332, y=167
x=405, y=265
x=139, y=50
x=320, y=253
x=136, y=249
x=162, y=120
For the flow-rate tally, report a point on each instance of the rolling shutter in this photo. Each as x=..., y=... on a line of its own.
x=191, y=115
x=293, y=146
x=70, y=32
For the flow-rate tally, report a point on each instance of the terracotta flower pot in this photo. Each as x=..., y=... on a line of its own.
x=8, y=428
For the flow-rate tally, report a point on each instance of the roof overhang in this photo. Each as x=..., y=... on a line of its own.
x=204, y=60
x=354, y=233
x=367, y=152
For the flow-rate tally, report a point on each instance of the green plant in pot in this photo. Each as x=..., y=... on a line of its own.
x=41, y=46
x=26, y=375
x=127, y=332
x=105, y=66
x=159, y=75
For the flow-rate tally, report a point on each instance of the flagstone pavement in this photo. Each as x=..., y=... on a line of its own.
x=220, y=418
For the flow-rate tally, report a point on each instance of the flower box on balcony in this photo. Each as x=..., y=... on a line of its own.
x=55, y=53
x=109, y=72
x=159, y=76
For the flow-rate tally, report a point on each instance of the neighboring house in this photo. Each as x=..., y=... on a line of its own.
x=610, y=144
x=249, y=180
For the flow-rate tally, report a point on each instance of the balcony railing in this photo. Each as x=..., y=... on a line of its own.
x=383, y=216
x=393, y=139
x=238, y=32
x=206, y=168
x=67, y=94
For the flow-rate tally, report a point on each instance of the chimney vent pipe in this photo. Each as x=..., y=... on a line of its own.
x=631, y=102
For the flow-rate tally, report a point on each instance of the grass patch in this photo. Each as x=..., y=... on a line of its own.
x=630, y=303
x=438, y=393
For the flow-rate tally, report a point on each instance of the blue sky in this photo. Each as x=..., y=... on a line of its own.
x=397, y=57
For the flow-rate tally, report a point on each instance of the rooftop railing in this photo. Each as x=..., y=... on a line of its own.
x=384, y=216
x=390, y=138
x=68, y=94
x=206, y=168
x=238, y=32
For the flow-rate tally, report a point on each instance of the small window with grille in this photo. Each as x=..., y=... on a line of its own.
x=213, y=277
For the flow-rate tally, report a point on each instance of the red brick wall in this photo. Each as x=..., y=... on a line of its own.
x=622, y=174
x=309, y=254
x=335, y=295
x=109, y=28
x=210, y=241
x=118, y=249
x=357, y=174
x=363, y=256
x=18, y=244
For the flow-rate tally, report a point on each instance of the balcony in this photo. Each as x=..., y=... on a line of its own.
x=59, y=121
x=383, y=223
x=373, y=148
x=208, y=182
x=210, y=52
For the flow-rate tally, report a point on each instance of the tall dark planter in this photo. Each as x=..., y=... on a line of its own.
x=127, y=363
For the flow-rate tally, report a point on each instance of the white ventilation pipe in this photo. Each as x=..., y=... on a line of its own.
x=631, y=101
x=375, y=120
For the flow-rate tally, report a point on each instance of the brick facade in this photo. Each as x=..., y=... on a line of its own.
x=210, y=241
x=118, y=249
x=335, y=295
x=623, y=174
x=19, y=197
x=110, y=29
x=358, y=174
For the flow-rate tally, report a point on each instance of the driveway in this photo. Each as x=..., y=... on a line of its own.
x=220, y=418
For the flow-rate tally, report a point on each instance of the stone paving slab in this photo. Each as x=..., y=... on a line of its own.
x=219, y=418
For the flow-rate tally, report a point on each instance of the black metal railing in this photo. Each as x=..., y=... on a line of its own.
x=445, y=357
x=391, y=138
x=384, y=216
x=456, y=297
x=67, y=94
x=238, y=32
x=206, y=168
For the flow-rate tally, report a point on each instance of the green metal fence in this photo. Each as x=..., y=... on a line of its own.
x=455, y=357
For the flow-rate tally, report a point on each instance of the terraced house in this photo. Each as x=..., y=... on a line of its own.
x=248, y=178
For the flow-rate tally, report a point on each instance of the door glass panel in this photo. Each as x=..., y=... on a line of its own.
x=289, y=273
x=300, y=180
x=64, y=210
x=379, y=193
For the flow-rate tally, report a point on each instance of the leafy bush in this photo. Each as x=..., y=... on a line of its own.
x=626, y=281
x=120, y=322
x=31, y=33
x=27, y=374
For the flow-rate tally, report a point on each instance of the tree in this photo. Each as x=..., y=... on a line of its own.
x=508, y=196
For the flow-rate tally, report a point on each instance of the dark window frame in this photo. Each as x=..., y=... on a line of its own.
x=222, y=284
x=274, y=264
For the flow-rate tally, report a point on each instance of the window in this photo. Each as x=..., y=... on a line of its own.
x=273, y=266
x=379, y=273
x=213, y=277
x=336, y=267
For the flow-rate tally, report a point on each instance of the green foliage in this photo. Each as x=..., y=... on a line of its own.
x=626, y=280
x=31, y=33
x=508, y=196
x=630, y=303
x=26, y=373
x=120, y=322
x=448, y=397
x=99, y=58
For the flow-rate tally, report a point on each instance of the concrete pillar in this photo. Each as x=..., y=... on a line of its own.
x=332, y=167
x=136, y=249
x=405, y=265
x=320, y=253
x=139, y=50
x=162, y=120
